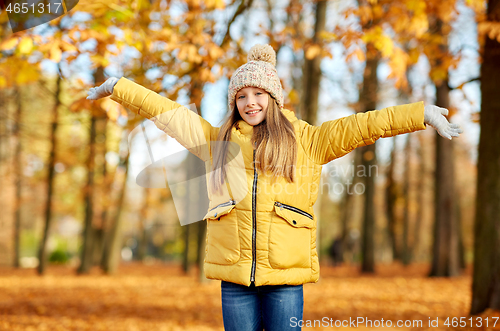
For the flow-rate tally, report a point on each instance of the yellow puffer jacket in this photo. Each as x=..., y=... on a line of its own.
x=267, y=234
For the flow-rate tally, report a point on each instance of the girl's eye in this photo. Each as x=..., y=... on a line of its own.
x=241, y=96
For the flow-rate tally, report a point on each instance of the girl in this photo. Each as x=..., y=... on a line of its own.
x=261, y=236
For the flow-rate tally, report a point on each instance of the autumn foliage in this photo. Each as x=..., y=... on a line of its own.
x=179, y=49
x=160, y=297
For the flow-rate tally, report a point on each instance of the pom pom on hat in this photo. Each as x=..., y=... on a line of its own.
x=259, y=71
x=262, y=53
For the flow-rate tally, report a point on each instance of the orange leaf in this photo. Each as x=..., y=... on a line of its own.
x=312, y=52
x=9, y=43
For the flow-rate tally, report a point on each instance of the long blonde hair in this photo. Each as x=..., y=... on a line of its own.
x=275, y=140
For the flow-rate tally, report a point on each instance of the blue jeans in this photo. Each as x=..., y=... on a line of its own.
x=268, y=307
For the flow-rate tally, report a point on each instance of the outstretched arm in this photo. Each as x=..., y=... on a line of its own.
x=186, y=126
x=334, y=139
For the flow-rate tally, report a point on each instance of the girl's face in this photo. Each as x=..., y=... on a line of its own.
x=252, y=104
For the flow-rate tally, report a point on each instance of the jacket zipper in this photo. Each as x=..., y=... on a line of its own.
x=229, y=203
x=254, y=219
x=297, y=210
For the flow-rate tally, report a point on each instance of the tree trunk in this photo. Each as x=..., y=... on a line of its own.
x=391, y=195
x=89, y=233
x=103, y=198
x=19, y=175
x=445, y=244
x=3, y=102
x=109, y=224
x=189, y=214
x=4, y=136
x=486, y=276
x=185, y=253
x=86, y=254
x=445, y=248
x=368, y=239
x=420, y=199
x=312, y=70
x=6, y=246
x=113, y=242
x=348, y=245
x=98, y=246
x=368, y=101
x=461, y=248
x=143, y=232
x=406, y=193
x=50, y=178
x=3, y=127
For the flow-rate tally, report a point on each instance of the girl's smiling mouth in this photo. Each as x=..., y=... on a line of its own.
x=253, y=112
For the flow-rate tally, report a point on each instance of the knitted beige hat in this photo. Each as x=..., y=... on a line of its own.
x=259, y=71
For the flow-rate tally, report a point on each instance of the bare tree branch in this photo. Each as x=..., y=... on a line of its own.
x=245, y=4
x=467, y=82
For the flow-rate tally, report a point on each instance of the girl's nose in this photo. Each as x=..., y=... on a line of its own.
x=251, y=100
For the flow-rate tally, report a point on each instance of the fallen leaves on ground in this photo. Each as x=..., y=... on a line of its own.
x=161, y=297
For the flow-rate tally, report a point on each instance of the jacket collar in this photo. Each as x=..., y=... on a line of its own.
x=246, y=128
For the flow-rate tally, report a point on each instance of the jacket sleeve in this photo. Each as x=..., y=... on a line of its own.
x=334, y=139
x=179, y=122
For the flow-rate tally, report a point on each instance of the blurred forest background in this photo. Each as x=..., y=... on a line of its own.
x=68, y=167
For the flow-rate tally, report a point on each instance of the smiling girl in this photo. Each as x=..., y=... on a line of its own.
x=262, y=244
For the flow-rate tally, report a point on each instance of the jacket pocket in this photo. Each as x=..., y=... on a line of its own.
x=290, y=237
x=223, y=241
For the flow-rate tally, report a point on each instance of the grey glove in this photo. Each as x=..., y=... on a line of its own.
x=434, y=116
x=106, y=89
